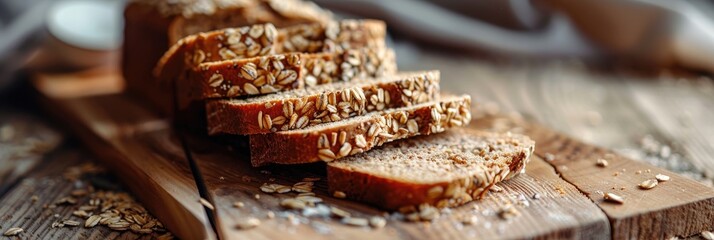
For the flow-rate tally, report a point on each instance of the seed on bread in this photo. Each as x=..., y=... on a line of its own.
x=431, y=156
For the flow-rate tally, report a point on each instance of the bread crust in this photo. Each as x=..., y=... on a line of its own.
x=353, y=136
x=274, y=115
x=269, y=74
x=265, y=39
x=394, y=194
x=151, y=26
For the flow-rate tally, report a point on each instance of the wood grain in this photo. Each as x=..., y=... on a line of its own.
x=138, y=146
x=561, y=212
x=46, y=182
x=23, y=142
x=679, y=207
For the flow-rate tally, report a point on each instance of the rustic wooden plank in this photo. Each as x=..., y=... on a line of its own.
x=17, y=209
x=23, y=142
x=138, y=146
x=561, y=211
x=679, y=207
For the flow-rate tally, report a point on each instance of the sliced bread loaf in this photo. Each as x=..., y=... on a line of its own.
x=325, y=103
x=152, y=26
x=265, y=39
x=268, y=74
x=442, y=170
x=330, y=141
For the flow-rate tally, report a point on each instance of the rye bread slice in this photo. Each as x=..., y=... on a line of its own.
x=441, y=170
x=303, y=108
x=276, y=73
x=152, y=26
x=330, y=141
x=265, y=39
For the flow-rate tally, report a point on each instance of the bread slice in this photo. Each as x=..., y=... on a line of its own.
x=269, y=74
x=152, y=26
x=441, y=170
x=265, y=39
x=330, y=141
x=324, y=103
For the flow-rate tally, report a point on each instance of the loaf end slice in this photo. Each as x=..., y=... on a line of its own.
x=301, y=108
x=330, y=141
x=441, y=170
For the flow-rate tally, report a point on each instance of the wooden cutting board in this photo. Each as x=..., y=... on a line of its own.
x=149, y=156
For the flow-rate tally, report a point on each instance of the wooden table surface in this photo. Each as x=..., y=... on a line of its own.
x=663, y=120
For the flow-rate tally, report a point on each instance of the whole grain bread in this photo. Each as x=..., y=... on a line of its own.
x=151, y=26
x=265, y=39
x=281, y=72
x=320, y=104
x=441, y=170
x=330, y=141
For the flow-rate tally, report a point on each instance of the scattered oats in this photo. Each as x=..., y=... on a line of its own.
x=360, y=222
x=292, y=203
x=638, y=172
x=648, y=171
x=270, y=214
x=92, y=221
x=469, y=220
x=34, y=198
x=248, y=223
x=377, y=222
x=602, y=162
x=549, y=157
x=309, y=199
x=708, y=235
x=339, y=194
x=648, y=184
x=257, y=196
x=13, y=231
x=238, y=204
x=70, y=223
x=496, y=188
x=339, y=212
x=614, y=198
x=207, y=204
x=222, y=178
x=508, y=212
x=428, y=213
x=662, y=177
